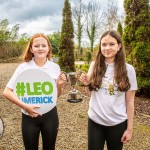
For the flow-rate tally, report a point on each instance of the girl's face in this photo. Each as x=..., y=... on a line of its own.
x=109, y=48
x=40, y=48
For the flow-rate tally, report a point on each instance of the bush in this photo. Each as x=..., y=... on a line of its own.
x=81, y=67
x=143, y=86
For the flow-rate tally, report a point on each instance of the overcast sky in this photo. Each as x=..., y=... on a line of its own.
x=34, y=16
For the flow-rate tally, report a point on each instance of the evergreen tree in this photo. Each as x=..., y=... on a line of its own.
x=136, y=40
x=119, y=28
x=66, y=53
x=88, y=57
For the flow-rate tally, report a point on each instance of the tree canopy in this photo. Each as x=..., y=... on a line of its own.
x=66, y=53
x=137, y=42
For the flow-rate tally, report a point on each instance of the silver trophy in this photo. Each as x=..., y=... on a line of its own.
x=74, y=96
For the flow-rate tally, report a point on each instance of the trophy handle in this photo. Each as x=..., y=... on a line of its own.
x=79, y=73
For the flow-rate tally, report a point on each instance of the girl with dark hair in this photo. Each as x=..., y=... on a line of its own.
x=112, y=85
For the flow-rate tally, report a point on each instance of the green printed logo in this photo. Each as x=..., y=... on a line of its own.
x=37, y=88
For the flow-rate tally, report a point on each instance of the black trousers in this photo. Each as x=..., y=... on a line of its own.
x=47, y=125
x=99, y=134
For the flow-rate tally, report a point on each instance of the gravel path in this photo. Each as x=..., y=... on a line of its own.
x=72, y=134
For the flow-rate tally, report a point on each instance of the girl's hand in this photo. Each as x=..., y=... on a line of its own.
x=62, y=79
x=84, y=79
x=31, y=110
x=126, y=136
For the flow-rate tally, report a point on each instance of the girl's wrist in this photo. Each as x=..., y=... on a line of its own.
x=82, y=85
x=130, y=129
x=24, y=107
x=86, y=85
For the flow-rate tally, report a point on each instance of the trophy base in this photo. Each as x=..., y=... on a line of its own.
x=74, y=100
x=74, y=96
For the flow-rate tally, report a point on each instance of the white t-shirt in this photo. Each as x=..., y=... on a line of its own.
x=49, y=67
x=107, y=105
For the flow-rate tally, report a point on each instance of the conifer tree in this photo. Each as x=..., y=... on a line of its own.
x=137, y=42
x=66, y=53
x=119, y=28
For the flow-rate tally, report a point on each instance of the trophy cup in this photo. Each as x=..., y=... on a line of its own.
x=74, y=96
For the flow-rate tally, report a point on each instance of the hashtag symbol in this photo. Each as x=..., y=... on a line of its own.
x=20, y=89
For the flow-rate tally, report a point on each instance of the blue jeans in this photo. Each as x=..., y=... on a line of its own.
x=99, y=134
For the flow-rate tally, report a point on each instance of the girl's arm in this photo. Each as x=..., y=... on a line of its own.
x=8, y=93
x=85, y=80
x=61, y=81
x=59, y=89
x=87, y=91
x=130, y=95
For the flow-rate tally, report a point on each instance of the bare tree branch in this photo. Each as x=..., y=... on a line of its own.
x=94, y=21
x=78, y=14
x=111, y=16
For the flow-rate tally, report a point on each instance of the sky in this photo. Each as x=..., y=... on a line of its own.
x=36, y=16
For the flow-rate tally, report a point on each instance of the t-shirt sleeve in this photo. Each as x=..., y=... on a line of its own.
x=90, y=68
x=132, y=78
x=58, y=71
x=11, y=82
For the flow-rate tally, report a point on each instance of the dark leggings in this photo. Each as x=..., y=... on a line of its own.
x=98, y=134
x=47, y=124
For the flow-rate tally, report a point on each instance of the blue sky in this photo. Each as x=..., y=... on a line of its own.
x=34, y=16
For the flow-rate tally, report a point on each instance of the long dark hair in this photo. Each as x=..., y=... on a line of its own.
x=120, y=72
